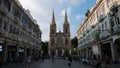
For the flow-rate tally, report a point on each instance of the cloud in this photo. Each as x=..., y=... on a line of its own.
x=73, y=2
x=78, y=17
x=41, y=10
x=68, y=10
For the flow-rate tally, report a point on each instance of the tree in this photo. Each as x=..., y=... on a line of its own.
x=87, y=13
x=44, y=48
x=74, y=44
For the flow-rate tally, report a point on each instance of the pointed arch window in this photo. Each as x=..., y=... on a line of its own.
x=66, y=41
x=59, y=40
x=66, y=30
x=52, y=30
x=52, y=41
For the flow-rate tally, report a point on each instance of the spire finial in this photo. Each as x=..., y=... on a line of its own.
x=53, y=18
x=66, y=20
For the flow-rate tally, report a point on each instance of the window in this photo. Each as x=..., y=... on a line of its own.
x=0, y=23
x=59, y=40
x=24, y=20
x=52, y=41
x=103, y=9
x=7, y=4
x=66, y=41
x=118, y=21
x=102, y=26
x=66, y=30
x=112, y=23
x=30, y=26
x=11, y=28
x=5, y=26
x=17, y=31
x=52, y=30
x=16, y=13
x=0, y=1
x=106, y=25
x=14, y=29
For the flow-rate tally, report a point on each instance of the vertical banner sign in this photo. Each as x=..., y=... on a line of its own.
x=95, y=50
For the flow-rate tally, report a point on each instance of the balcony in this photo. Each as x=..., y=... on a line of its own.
x=3, y=10
x=16, y=19
x=104, y=34
x=113, y=5
x=101, y=17
x=116, y=28
x=20, y=39
x=12, y=37
x=3, y=33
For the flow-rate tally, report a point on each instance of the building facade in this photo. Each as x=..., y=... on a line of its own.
x=20, y=35
x=59, y=43
x=99, y=33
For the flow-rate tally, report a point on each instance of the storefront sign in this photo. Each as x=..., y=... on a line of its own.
x=0, y=48
x=95, y=50
x=21, y=50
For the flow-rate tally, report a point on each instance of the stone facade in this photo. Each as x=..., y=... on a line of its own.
x=59, y=42
x=20, y=35
x=99, y=33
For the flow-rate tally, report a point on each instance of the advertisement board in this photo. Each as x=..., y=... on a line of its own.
x=0, y=48
x=95, y=50
x=20, y=50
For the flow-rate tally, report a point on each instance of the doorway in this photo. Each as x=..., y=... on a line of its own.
x=11, y=56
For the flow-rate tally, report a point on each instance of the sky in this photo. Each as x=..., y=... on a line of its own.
x=42, y=10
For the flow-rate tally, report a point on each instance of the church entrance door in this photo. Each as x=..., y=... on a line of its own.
x=59, y=52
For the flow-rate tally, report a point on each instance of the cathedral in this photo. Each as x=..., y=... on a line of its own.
x=59, y=42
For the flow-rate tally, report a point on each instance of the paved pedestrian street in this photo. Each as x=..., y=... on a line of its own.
x=59, y=63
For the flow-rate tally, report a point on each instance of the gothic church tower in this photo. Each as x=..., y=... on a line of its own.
x=59, y=42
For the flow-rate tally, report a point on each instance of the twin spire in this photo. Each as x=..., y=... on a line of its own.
x=65, y=21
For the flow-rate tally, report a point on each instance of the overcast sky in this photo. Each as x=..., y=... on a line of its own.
x=41, y=10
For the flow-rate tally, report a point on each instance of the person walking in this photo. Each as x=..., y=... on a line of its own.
x=29, y=59
x=69, y=60
x=107, y=61
x=0, y=64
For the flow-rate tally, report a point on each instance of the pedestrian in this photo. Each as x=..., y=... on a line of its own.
x=43, y=58
x=98, y=64
x=69, y=60
x=107, y=61
x=0, y=63
x=29, y=59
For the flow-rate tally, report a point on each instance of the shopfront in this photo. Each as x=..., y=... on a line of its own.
x=106, y=50
x=12, y=53
x=1, y=51
x=21, y=54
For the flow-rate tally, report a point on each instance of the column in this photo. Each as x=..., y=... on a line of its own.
x=112, y=51
x=25, y=52
x=56, y=53
x=5, y=51
x=62, y=52
x=17, y=50
x=87, y=52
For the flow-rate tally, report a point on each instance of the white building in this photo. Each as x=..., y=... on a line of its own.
x=99, y=33
x=20, y=35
